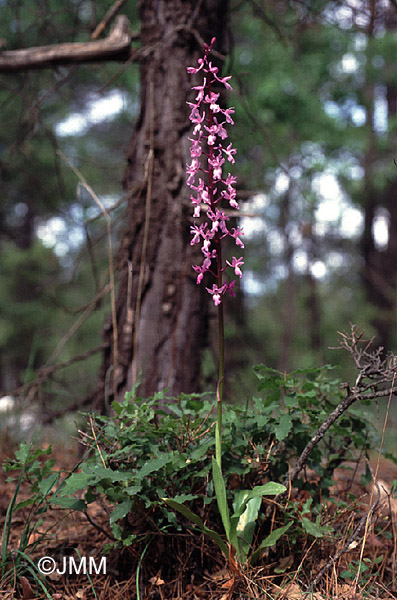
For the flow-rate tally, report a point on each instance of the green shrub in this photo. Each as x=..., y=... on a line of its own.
x=161, y=447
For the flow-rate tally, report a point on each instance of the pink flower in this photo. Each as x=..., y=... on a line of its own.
x=229, y=151
x=195, y=148
x=230, y=195
x=217, y=129
x=218, y=219
x=192, y=169
x=195, y=117
x=224, y=80
x=212, y=100
x=235, y=264
x=216, y=163
x=230, y=180
x=193, y=69
x=216, y=293
x=201, y=91
x=208, y=157
x=203, y=269
x=230, y=289
x=197, y=233
x=235, y=233
x=227, y=112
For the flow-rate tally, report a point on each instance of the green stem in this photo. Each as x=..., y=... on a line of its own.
x=221, y=336
x=218, y=429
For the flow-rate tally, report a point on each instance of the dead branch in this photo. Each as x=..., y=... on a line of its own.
x=375, y=380
x=374, y=372
x=117, y=46
x=43, y=373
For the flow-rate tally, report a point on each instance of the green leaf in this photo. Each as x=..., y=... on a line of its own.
x=240, y=502
x=246, y=507
x=249, y=515
x=313, y=528
x=283, y=427
x=220, y=492
x=98, y=472
x=271, y=488
x=246, y=527
x=120, y=511
x=185, y=497
x=72, y=503
x=133, y=490
x=46, y=485
x=274, y=536
x=153, y=465
x=23, y=451
x=74, y=483
x=186, y=512
x=25, y=503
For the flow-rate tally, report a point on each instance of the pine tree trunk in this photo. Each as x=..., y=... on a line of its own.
x=162, y=314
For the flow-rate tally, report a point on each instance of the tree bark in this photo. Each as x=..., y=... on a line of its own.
x=162, y=314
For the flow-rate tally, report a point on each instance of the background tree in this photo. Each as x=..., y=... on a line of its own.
x=158, y=301
x=161, y=314
x=43, y=205
x=313, y=91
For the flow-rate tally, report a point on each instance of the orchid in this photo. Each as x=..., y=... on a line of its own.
x=208, y=157
x=235, y=264
x=205, y=177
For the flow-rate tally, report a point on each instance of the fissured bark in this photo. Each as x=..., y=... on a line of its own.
x=162, y=314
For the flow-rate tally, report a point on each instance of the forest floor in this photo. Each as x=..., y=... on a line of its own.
x=189, y=567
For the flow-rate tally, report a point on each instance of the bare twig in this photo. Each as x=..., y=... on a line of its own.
x=83, y=317
x=375, y=477
x=110, y=14
x=347, y=546
x=98, y=527
x=45, y=372
x=148, y=178
x=330, y=420
x=96, y=440
x=110, y=261
x=374, y=372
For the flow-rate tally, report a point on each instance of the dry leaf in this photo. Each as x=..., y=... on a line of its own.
x=27, y=592
x=228, y=584
x=156, y=580
x=284, y=564
x=219, y=575
x=292, y=591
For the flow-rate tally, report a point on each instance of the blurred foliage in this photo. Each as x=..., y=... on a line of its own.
x=52, y=235
x=301, y=72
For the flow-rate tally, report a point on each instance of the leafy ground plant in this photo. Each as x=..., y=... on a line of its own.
x=16, y=563
x=145, y=454
x=35, y=468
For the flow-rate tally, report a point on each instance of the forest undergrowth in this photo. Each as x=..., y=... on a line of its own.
x=309, y=494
